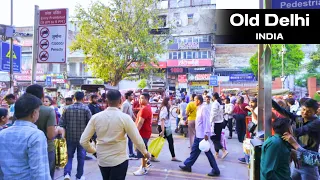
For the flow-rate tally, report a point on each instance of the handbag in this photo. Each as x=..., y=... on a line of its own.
x=252, y=127
x=61, y=152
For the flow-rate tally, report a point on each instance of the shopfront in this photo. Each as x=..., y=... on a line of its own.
x=198, y=83
x=177, y=78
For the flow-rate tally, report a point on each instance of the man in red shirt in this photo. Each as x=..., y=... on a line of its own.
x=240, y=113
x=144, y=125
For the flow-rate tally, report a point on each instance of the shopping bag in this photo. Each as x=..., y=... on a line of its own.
x=223, y=140
x=155, y=146
x=61, y=152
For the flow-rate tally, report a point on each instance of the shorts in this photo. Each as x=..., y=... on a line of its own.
x=139, y=154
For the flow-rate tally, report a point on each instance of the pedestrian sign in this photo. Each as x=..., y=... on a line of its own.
x=48, y=81
x=213, y=80
x=13, y=54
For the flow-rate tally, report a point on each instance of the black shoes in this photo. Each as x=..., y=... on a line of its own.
x=185, y=168
x=213, y=174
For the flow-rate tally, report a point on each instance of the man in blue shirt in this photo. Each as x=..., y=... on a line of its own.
x=24, y=145
x=10, y=100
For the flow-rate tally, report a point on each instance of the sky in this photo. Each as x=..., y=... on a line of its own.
x=23, y=10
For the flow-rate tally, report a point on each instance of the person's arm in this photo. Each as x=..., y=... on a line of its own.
x=125, y=108
x=89, y=115
x=282, y=111
x=309, y=157
x=270, y=162
x=38, y=157
x=135, y=136
x=87, y=135
x=52, y=131
x=163, y=117
x=141, y=119
x=205, y=114
x=313, y=126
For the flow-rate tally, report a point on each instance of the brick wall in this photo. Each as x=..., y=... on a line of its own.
x=234, y=55
x=312, y=86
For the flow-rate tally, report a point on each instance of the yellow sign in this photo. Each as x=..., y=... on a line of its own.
x=13, y=55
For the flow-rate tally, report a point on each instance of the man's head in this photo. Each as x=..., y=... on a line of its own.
x=10, y=99
x=198, y=100
x=281, y=126
x=183, y=99
x=227, y=100
x=185, y=93
x=253, y=102
x=113, y=98
x=208, y=99
x=205, y=93
x=144, y=99
x=129, y=95
x=290, y=95
x=309, y=108
x=290, y=101
x=79, y=96
x=35, y=90
x=240, y=100
x=27, y=108
x=69, y=101
x=307, y=94
x=94, y=99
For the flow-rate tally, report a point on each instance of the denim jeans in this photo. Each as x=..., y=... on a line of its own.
x=81, y=154
x=195, y=152
x=130, y=145
x=305, y=172
x=52, y=163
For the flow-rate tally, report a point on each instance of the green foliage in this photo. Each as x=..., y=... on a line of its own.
x=315, y=63
x=142, y=84
x=302, y=81
x=116, y=39
x=97, y=81
x=292, y=60
x=316, y=97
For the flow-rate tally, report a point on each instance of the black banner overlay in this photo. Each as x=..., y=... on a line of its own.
x=266, y=26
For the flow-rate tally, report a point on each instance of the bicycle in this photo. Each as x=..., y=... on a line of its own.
x=173, y=112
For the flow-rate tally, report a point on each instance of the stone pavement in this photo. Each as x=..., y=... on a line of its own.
x=230, y=168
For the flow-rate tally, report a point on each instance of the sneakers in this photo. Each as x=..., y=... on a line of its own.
x=133, y=157
x=142, y=171
x=149, y=164
x=242, y=160
x=67, y=177
x=82, y=178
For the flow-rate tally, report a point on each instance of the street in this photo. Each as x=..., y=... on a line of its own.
x=230, y=168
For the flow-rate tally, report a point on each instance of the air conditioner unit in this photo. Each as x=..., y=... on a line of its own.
x=179, y=23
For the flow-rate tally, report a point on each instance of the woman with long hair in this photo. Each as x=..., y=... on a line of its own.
x=164, y=127
x=217, y=124
x=48, y=101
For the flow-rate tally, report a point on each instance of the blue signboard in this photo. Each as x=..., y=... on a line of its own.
x=16, y=55
x=295, y=4
x=241, y=77
x=48, y=81
x=213, y=80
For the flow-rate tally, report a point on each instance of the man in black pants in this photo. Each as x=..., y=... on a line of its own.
x=240, y=112
x=228, y=110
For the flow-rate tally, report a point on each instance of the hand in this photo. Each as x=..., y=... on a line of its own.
x=293, y=157
x=147, y=156
x=206, y=137
x=161, y=134
x=288, y=137
x=249, y=108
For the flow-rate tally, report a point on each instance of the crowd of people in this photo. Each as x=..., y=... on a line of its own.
x=32, y=122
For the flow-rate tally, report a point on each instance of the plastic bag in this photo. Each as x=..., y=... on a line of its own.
x=61, y=152
x=155, y=146
x=204, y=145
x=223, y=140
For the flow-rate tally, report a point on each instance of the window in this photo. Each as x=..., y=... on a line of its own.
x=162, y=20
x=195, y=39
x=205, y=39
x=189, y=55
x=174, y=55
x=204, y=54
x=190, y=19
x=170, y=55
x=190, y=39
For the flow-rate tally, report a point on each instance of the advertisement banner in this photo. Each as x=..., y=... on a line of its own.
x=188, y=45
x=199, y=77
x=177, y=70
x=242, y=77
x=200, y=70
x=189, y=63
x=182, y=78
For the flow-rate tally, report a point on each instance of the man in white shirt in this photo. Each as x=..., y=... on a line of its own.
x=228, y=116
x=208, y=102
x=112, y=127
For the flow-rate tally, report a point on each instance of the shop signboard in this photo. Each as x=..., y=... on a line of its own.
x=182, y=78
x=177, y=70
x=242, y=77
x=200, y=70
x=189, y=63
x=199, y=83
x=199, y=77
x=188, y=45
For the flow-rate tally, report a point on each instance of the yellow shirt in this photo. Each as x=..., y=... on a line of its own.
x=192, y=111
x=112, y=127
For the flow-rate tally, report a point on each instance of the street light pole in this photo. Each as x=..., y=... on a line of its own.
x=11, y=49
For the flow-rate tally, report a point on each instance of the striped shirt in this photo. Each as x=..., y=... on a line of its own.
x=74, y=120
x=24, y=147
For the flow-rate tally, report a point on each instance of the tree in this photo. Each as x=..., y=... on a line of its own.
x=97, y=81
x=314, y=64
x=142, y=84
x=292, y=60
x=116, y=40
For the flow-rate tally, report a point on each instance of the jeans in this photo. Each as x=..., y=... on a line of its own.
x=305, y=172
x=177, y=122
x=230, y=126
x=52, y=162
x=139, y=154
x=81, y=154
x=130, y=146
x=216, y=139
x=241, y=126
x=195, y=152
x=118, y=172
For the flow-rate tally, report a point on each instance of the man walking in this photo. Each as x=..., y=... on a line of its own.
x=47, y=124
x=144, y=124
x=191, y=112
x=23, y=146
x=112, y=127
x=203, y=131
x=127, y=108
x=74, y=120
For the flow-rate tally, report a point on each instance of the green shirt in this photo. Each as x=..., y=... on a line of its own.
x=47, y=118
x=275, y=159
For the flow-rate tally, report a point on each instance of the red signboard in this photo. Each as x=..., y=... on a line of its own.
x=189, y=63
x=53, y=17
x=182, y=78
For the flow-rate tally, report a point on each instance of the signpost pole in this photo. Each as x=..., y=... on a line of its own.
x=35, y=44
x=11, y=51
